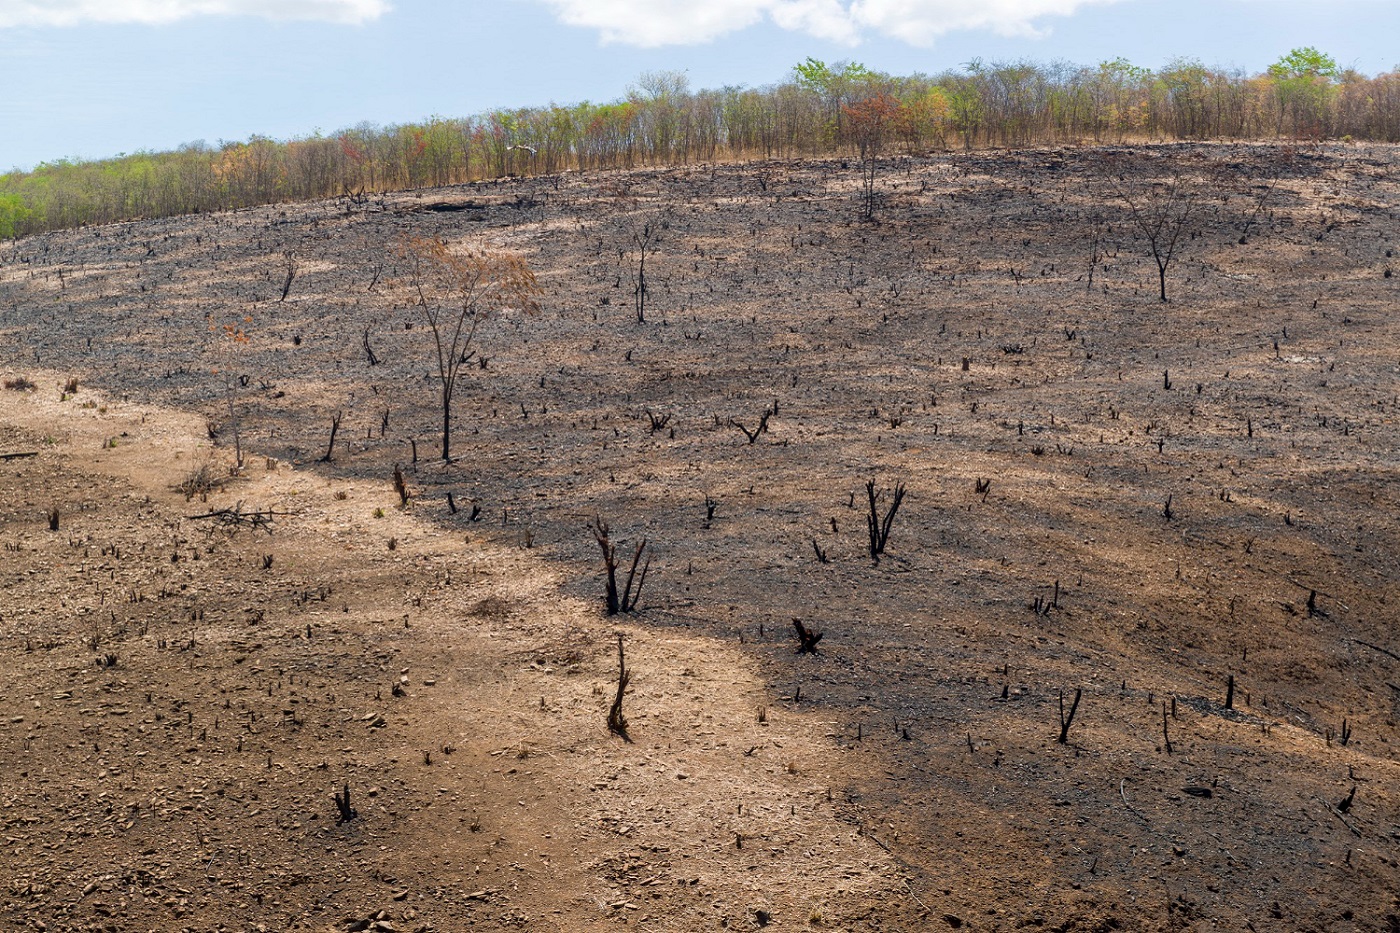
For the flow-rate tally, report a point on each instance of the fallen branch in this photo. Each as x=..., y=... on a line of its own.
x=907, y=886
x=1384, y=651
x=236, y=518
x=20, y=455
x=1339, y=815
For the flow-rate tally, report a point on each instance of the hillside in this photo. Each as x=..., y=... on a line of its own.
x=1145, y=501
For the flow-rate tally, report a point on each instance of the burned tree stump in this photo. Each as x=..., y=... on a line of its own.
x=342, y=805
x=330, y=445
x=617, y=723
x=1067, y=721
x=807, y=638
x=877, y=525
x=627, y=600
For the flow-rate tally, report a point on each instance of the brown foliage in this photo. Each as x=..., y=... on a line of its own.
x=455, y=291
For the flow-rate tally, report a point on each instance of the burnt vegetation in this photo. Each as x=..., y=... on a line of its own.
x=1146, y=393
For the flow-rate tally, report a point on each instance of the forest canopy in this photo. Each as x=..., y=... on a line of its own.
x=662, y=121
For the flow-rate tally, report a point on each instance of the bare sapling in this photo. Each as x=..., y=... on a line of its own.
x=231, y=339
x=617, y=723
x=455, y=291
x=879, y=525
x=1067, y=720
x=627, y=599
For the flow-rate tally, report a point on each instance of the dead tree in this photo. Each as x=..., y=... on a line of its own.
x=291, y=266
x=617, y=723
x=879, y=525
x=627, y=600
x=1160, y=210
x=1066, y=721
x=335, y=427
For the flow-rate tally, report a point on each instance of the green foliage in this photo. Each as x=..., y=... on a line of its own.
x=1305, y=63
x=663, y=121
x=817, y=76
x=13, y=215
x=1304, y=84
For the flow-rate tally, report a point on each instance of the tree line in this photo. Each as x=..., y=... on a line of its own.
x=662, y=121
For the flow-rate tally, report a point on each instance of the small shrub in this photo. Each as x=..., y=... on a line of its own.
x=199, y=482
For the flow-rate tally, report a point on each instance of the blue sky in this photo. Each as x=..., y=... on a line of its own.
x=94, y=78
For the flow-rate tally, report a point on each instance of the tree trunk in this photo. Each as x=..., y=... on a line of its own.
x=446, y=425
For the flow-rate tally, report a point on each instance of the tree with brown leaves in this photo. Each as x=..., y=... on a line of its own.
x=456, y=291
x=871, y=120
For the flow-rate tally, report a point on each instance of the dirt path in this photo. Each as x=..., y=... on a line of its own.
x=189, y=697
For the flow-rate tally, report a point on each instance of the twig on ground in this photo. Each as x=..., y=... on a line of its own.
x=1124, y=794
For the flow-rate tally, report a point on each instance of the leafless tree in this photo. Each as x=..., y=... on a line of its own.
x=1160, y=209
x=645, y=235
x=455, y=291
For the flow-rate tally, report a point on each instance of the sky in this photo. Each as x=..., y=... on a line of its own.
x=96, y=78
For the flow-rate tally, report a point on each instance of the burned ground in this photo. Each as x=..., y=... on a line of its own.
x=1108, y=493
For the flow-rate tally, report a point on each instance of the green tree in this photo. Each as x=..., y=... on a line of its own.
x=835, y=85
x=1187, y=85
x=13, y=214
x=1304, y=84
x=817, y=76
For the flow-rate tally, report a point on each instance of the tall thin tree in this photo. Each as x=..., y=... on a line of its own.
x=455, y=292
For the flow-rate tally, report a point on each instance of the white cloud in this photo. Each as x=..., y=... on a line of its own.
x=824, y=19
x=653, y=23
x=76, y=12
x=658, y=22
